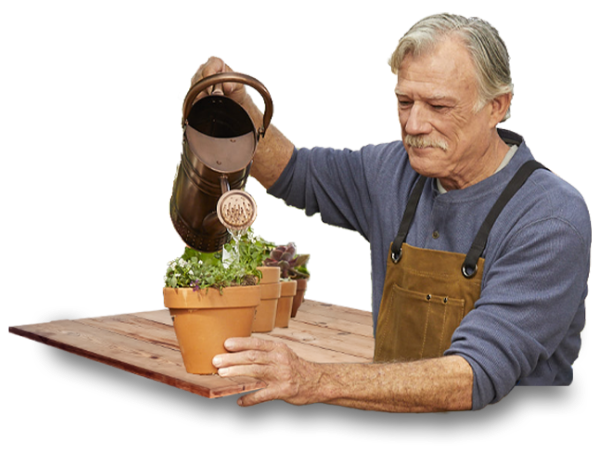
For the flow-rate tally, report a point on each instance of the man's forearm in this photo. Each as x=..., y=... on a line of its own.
x=441, y=384
x=273, y=152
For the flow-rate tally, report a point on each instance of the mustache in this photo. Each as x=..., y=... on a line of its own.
x=424, y=141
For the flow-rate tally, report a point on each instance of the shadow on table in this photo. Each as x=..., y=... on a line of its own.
x=495, y=419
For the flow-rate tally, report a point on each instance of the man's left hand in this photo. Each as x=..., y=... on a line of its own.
x=287, y=376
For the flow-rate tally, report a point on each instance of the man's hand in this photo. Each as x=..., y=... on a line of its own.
x=235, y=91
x=288, y=377
x=431, y=385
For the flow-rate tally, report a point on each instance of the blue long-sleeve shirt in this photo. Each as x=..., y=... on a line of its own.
x=525, y=328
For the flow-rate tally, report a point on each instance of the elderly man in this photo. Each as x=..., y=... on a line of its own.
x=480, y=255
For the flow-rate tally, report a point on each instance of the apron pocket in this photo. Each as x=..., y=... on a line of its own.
x=420, y=324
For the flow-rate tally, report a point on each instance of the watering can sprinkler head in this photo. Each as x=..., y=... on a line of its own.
x=236, y=210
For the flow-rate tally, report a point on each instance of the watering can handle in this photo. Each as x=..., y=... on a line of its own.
x=215, y=79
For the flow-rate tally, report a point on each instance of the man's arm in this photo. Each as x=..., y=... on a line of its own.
x=274, y=150
x=441, y=384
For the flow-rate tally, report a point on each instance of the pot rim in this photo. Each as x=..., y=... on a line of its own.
x=270, y=274
x=232, y=297
x=288, y=288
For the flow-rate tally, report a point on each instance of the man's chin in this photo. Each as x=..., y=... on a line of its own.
x=425, y=165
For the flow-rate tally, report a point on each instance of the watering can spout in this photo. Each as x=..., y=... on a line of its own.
x=220, y=140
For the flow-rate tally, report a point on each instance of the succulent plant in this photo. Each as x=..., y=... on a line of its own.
x=292, y=266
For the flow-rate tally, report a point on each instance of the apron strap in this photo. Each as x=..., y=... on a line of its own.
x=407, y=219
x=469, y=267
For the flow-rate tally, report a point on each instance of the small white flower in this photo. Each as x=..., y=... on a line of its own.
x=191, y=272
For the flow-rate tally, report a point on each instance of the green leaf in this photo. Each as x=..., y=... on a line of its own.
x=189, y=253
x=301, y=260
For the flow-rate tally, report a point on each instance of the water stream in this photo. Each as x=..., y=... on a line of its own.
x=232, y=257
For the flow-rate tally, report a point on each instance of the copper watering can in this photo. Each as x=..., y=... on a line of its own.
x=218, y=147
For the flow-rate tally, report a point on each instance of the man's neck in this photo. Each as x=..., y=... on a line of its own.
x=511, y=150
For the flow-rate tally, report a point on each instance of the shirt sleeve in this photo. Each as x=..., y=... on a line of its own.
x=532, y=297
x=331, y=182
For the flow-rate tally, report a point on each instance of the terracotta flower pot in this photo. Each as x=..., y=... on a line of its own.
x=288, y=290
x=266, y=311
x=204, y=319
x=299, y=296
x=270, y=274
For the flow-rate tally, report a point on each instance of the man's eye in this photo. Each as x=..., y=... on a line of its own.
x=404, y=103
x=438, y=107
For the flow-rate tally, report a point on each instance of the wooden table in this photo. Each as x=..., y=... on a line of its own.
x=145, y=344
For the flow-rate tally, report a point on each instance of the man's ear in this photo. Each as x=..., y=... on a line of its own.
x=500, y=105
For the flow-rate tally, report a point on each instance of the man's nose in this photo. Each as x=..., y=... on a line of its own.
x=417, y=121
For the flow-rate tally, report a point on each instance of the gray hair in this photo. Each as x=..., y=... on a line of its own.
x=488, y=51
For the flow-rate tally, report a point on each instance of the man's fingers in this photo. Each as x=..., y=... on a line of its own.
x=248, y=343
x=232, y=90
x=213, y=66
x=217, y=90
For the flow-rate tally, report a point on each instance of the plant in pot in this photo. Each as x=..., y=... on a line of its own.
x=210, y=300
x=292, y=267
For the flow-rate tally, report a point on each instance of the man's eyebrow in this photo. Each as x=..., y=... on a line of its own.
x=436, y=97
x=440, y=97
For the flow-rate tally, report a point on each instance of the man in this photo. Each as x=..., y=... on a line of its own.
x=480, y=257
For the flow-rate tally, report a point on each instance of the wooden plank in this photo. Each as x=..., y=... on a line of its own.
x=161, y=316
x=139, y=357
x=327, y=339
x=336, y=324
x=345, y=319
x=313, y=353
x=337, y=312
x=136, y=327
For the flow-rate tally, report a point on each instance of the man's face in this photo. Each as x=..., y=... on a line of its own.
x=437, y=96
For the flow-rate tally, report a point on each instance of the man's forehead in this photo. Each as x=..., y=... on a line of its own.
x=442, y=72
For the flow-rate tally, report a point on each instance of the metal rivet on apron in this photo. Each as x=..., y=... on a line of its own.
x=445, y=300
x=435, y=234
x=468, y=272
x=428, y=297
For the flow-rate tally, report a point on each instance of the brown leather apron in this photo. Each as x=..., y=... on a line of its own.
x=428, y=292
